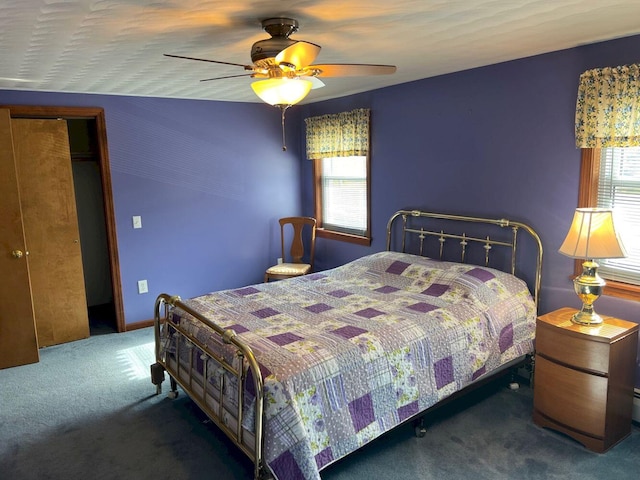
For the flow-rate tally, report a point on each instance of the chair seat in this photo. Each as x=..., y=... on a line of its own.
x=289, y=269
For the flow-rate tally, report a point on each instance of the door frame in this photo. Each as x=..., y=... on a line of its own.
x=97, y=114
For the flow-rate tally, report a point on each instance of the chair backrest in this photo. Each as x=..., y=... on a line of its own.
x=297, y=250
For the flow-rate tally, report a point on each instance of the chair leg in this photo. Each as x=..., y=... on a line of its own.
x=266, y=278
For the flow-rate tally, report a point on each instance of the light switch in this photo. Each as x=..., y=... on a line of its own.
x=142, y=286
x=137, y=221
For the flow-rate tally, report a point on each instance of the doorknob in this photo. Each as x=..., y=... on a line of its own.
x=17, y=253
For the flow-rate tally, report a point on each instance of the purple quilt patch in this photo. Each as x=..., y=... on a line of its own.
x=369, y=313
x=324, y=457
x=265, y=312
x=318, y=308
x=407, y=411
x=251, y=389
x=314, y=276
x=264, y=370
x=436, y=290
x=481, y=274
x=387, y=289
x=506, y=338
x=362, y=413
x=246, y=291
x=443, y=371
x=422, y=307
x=286, y=466
x=238, y=328
x=339, y=293
x=284, y=338
x=397, y=267
x=349, y=331
x=478, y=373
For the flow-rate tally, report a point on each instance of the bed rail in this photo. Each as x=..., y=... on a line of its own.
x=414, y=222
x=247, y=362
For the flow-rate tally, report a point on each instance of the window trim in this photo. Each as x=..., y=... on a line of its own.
x=588, y=197
x=317, y=198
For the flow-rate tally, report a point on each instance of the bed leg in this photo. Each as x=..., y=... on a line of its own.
x=157, y=377
x=513, y=379
x=420, y=427
x=264, y=474
x=174, y=388
x=531, y=367
x=522, y=372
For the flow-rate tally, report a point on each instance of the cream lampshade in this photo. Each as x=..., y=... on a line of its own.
x=592, y=235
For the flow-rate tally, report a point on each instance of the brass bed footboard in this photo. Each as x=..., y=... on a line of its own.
x=181, y=367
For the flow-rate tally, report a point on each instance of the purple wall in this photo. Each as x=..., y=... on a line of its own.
x=496, y=141
x=209, y=179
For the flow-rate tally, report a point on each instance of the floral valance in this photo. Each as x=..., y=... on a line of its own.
x=608, y=108
x=339, y=135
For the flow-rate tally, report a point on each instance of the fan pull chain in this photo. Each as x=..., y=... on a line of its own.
x=283, y=108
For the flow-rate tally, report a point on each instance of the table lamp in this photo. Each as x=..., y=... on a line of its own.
x=592, y=235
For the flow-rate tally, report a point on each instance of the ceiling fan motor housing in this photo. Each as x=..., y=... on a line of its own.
x=279, y=29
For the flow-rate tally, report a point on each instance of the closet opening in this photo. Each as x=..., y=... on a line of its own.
x=85, y=165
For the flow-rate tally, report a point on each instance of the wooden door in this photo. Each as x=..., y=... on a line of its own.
x=18, y=341
x=50, y=222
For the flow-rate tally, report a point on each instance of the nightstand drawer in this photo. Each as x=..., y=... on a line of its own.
x=573, y=351
x=570, y=397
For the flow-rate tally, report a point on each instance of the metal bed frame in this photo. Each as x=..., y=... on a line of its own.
x=252, y=442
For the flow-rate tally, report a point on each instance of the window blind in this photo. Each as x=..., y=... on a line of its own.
x=344, y=194
x=619, y=188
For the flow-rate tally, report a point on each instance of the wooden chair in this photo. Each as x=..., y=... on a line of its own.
x=295, y=267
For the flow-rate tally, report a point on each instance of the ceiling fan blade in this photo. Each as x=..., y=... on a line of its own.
x=351, y=69
x=228, y=76
x=298, y=55
x=246, y=67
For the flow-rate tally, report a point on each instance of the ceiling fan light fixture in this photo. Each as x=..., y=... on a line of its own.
x=282, y=91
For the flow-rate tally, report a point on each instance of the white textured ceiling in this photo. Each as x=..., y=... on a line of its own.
x=117, y=46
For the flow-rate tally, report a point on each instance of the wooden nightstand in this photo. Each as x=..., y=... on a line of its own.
x=583, y=383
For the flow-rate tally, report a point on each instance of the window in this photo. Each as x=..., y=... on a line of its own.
x=610, y=177
x=342, y=198
x=338, y=145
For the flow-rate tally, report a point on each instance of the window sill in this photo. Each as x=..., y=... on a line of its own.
x=622, y=290
x=343, y=237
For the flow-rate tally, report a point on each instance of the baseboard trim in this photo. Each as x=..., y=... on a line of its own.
x=138, y=325
x=636, y=405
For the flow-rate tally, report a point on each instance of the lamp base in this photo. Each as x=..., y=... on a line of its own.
x=588, y=286
x=586, y=318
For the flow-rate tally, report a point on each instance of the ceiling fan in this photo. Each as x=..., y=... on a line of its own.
x=285, y=66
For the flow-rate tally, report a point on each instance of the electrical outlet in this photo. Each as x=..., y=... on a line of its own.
x=142, y=286
x=279, y=260
x=137, y=221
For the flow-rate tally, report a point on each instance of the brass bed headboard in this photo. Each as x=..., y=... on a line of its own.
x=422, y=225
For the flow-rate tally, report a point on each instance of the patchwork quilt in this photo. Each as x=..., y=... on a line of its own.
x=349, y=353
